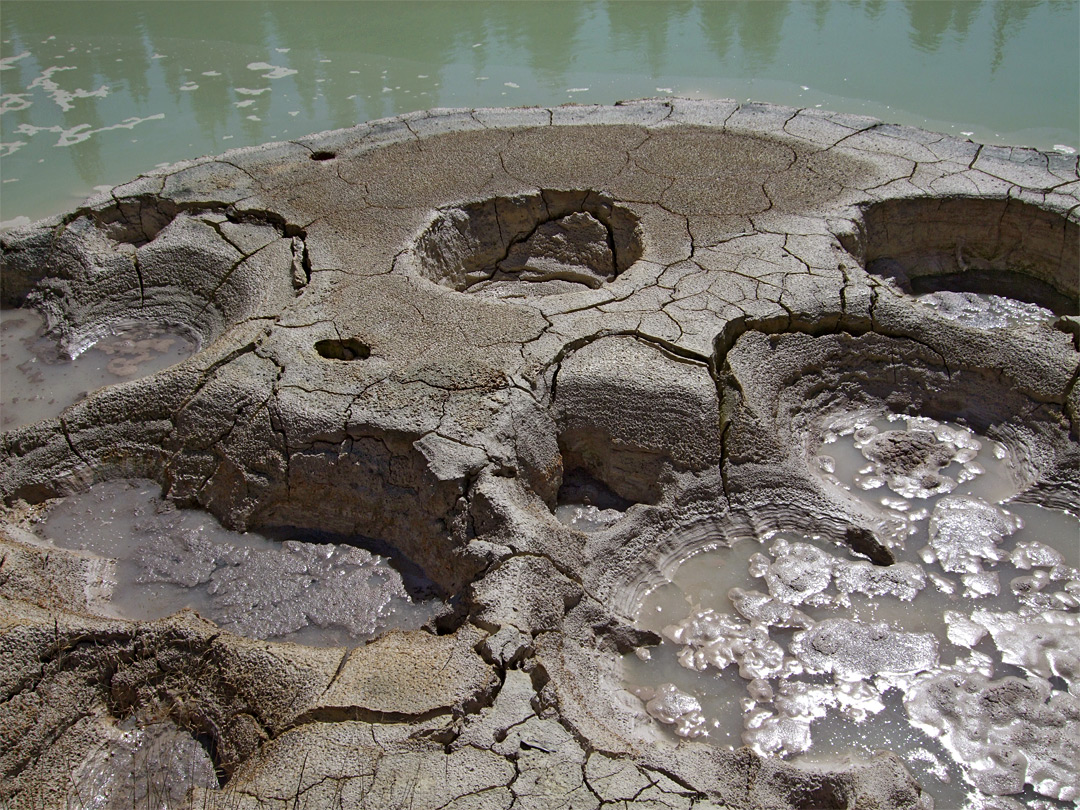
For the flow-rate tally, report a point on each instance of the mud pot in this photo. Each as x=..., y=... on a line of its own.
x=681, y=454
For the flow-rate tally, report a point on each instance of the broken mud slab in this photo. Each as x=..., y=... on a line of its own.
x=40, y=380
x=299, y=590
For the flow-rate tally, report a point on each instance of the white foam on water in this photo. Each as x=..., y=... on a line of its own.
x=272, y=71
x=63, y=98
x=13, y=102
x=8, y=62
x=83, y=132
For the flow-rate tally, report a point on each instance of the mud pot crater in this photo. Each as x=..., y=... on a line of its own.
x=676, y=454
x=544, y=243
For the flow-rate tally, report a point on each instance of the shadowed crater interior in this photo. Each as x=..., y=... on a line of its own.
x=543, y=243
x=349, y=349
x=1000, y=247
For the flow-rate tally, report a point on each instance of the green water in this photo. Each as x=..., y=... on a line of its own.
x=95, y=92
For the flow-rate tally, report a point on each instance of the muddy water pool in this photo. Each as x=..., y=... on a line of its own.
x=300, y=589
x=796, y=647
x=151, y=763
x=37, y=380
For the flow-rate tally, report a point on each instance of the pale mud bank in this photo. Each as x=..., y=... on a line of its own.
x=538, y=360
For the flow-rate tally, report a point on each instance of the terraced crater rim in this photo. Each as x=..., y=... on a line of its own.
x=555, y=239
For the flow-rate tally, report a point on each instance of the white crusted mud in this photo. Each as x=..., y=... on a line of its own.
x=1009, y=732
x=729, y=436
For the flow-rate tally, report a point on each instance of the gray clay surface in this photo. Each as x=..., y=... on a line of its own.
x=547, y=355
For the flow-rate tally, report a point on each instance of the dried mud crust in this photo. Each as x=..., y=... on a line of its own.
x=434, y=330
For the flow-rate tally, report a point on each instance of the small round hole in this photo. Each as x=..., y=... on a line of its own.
x=351, y=349
x=322, y=155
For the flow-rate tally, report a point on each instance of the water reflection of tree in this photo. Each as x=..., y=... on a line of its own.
x=756, y=24
x=821, y=12
x=201, y=37
x=1008, y=17
x=643, y=28
x=95, y=69
x=930, y=21
x=367, y=37
x=553, y=44
x=874, y=8
x=553, y=40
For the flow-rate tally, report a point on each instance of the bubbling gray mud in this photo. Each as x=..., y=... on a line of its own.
x=900, y=466
x=986, y=311
x=39, y=380
x=963, y=656
x=586, y=517
x=167, y=559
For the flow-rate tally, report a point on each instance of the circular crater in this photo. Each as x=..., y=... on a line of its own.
x=919, y=416
x=544, y=243
x=979, y=246
x=289, y=584
x=41, y=376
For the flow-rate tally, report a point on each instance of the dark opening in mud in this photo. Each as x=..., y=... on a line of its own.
x=1003, y=247
x=629, y=474
x=323, y=155
x=587, y=503
x=350, y=349
x=543, y=243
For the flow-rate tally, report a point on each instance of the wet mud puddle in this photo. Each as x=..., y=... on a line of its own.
x=37, y=381
x=963, y=656
x=299, y=590
x=151, y=763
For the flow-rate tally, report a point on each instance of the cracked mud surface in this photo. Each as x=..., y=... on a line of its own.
x=546, y=355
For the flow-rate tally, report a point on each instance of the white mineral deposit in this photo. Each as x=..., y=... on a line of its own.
x=830, y=637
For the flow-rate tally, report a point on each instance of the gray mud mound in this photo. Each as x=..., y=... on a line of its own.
x=784, y=378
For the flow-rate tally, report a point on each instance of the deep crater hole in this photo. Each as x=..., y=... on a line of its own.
x=988, y=247
x=544, y=243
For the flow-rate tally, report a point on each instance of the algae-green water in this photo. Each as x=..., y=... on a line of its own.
x=92, y=93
